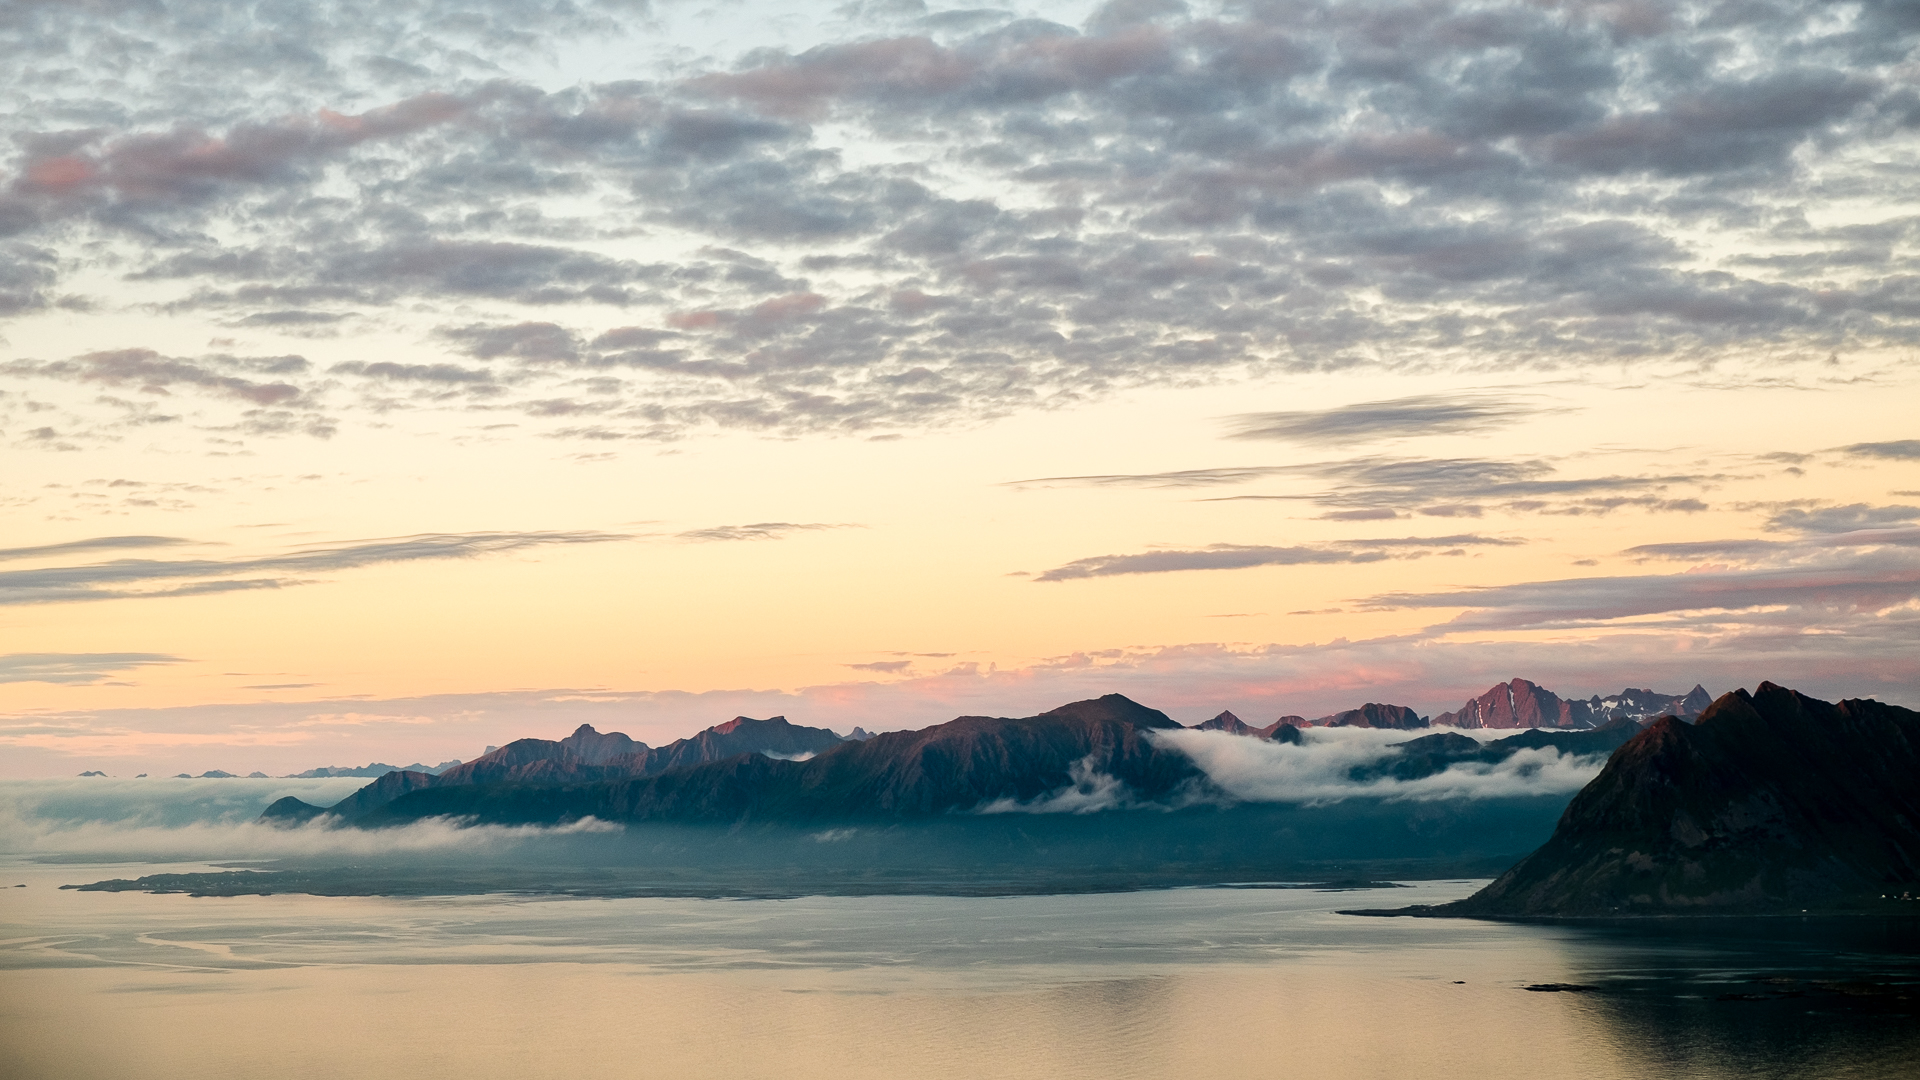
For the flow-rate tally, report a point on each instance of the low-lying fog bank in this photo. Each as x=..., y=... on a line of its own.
x=1329, y=806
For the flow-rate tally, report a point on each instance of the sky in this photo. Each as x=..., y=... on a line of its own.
x=381, y=381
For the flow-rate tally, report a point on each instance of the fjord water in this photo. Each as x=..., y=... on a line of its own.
x=1210, y=982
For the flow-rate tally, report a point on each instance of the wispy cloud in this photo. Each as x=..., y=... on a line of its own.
x=122, y=579
x=1243, y=556
x=1214, y=557
x=1429, y=542
x=1427, y=414
x=1181, y=479
x=1898, y=450
x=97, y=543
x=1378, y=488
x=76, y=668
x=1864, y=574
x=1748, y=550
x=1462, y=487
x=759, y=530
x=1842, y=519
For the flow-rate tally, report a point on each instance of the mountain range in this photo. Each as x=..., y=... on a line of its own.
x=1768, y=802
x=1516, y=704
x=377, y=768
x=588, y=755
x=1523, y=704
x=1093, y=754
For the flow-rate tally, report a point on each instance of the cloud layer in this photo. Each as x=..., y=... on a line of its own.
x=768, y=242
x=1316, y=770
x=1856, y=578
x=178, y=820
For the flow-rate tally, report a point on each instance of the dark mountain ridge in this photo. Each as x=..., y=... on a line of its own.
x=1433, y=754
x=969, y=764
x=1773, y=801
x=582, y=757
x=376, y=769
x=1373, y=715
x=959, y=765
x=1516, y=704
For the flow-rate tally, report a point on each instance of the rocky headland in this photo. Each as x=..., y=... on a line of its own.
x=1773, y=802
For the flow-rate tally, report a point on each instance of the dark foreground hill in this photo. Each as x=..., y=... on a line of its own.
x=1773, y=801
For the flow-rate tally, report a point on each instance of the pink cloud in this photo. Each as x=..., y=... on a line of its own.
x=175, y=165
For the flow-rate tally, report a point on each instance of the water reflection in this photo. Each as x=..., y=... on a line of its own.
x=1761, y=998
x=1212, y=983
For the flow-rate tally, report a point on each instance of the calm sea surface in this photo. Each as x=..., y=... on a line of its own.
x=1213, y=983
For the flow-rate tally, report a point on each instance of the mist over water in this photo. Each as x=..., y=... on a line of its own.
x=1268, y=808
x=473, y=968
x=1094, y=834
x=217, y=820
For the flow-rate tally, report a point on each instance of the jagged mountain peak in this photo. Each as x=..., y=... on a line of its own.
x=740, y=722
x=1374, y=715
x=1226, y=722
x=1111, y=708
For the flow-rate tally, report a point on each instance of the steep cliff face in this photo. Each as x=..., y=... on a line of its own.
x=1772, y=801
x=1518, y=704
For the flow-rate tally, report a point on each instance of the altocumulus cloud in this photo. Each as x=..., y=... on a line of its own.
x=1293, y=187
